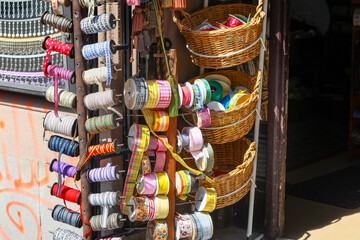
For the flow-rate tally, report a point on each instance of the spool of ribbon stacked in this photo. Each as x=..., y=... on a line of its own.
x=102, y=49
x=101, y=100
x=65, y=98
x=96, y=24
x=157, y=229
x=62, y=214
x=65, y=169
x=98, y=75
x=113, y=221
x=139, y=94
x=61, y=23
x=107, y=173
x=66, y=193
x=100, y=124
x=205, y=199
x=63, y=234
x=197, y=225
x=184, y=184
x=64, y=125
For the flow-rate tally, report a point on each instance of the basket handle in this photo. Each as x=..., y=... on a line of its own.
x=259, y=8
x=250, y=153
x=177, y=21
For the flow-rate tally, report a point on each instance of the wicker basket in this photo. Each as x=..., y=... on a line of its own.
x=223, y=48
x=237, y=159
x=233, y=123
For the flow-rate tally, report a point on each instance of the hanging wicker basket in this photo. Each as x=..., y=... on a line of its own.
x=233, y=123
x=236, y=160
x=223, y=48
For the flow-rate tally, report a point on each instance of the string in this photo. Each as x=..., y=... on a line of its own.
x=100, y=124
x=65, y=169
x=66, y=193
x=100, y=100
x=96, y=50
x=61, y=214
x=66, y=99
x=59, y=73
x=65, y=124
x=107, y=173
x=61, y=23
x=99, y=23
x=63, y=234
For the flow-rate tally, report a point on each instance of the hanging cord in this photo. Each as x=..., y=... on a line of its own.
x=61, y=23
x=173, y=108
x=60, y=73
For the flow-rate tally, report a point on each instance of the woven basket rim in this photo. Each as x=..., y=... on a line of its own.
x=252, y=151
x=254, y=20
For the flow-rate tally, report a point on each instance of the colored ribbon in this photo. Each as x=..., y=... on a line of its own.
x=96, y=50
x=138, y=209
x=61, y=23
x=147, y=184
x=205, y=199
x=162, y=183
x=135, y=93
x=64, y=169
x=62, y=214
x=153, y=94
x=147, y=116
x=107, y=173
x=152, y=208
x=65, y=124
x=96, y=75
x=203, y=118
x=164, y=94
x=157, y=230
x=183, y=182
x=206, y=162
x=160, y=161
x=100, y=124
x=183, y=227
x=140, y=145
x=66, y=193
x=162, y=207
x=66, y=99
x=99, y=23
x=161, y=121
x=101, y=100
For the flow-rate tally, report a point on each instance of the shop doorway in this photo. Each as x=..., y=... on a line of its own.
x=323, y=180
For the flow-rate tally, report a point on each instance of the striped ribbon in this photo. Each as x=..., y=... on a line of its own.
x=140, y=146
x=96, y=24
x=96, y=76
x=66, y=99
x=58, y=73
x=96, y=50
x=61, y=23
x=100, y=124
x=153, y=94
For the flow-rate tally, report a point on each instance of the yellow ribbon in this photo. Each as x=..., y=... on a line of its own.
x=162, y=207
x=163, y=183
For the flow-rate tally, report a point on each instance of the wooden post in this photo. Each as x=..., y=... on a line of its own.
x=277, y=126
x=82, y=114
x=170, y=166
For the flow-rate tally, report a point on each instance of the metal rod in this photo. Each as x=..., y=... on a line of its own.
x=51, y=232
x=257, y=126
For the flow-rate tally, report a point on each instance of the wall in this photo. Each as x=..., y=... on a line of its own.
x=24, y=176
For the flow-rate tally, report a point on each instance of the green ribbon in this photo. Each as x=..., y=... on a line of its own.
x=173, y=107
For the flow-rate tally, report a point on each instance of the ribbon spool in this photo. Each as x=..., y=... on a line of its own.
x=186, y=95
x=162, y=183
x=161, y=206
x=198, y=97
x=147, y=184
x=160, y=145
x=216, y=91
x=160, y=161
x=98, y=75
x=138, y=143
x=164, y=94
x=101, y=100
x=64, y=125
x=152, y=208
x=183, y=227
x=61, y=214
x=146, y=165
x=100, y=124
x=238, y=99
x=205, y=199
x=50, y=45
x=192, y=95
x=203, y=118
x=196, y=140
x=104, y=198
x=161, y=121
x=157, y=229
x=102, y=49
x=104, y=148
x=65, y=169
x=152, y=93
x=61, y=23
x=202, y=225
x=99, y=23
x=180, y=96
x=66, y=146
x=66, y=99
x=215, y=106
x=183, y=183
x=135, y=93
x=64, y=234
x=205, y=90
x=207, y=161
x=138, y=209
x=66, y=193
x=104, y=174
x=179, y=144
x=113, y=221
